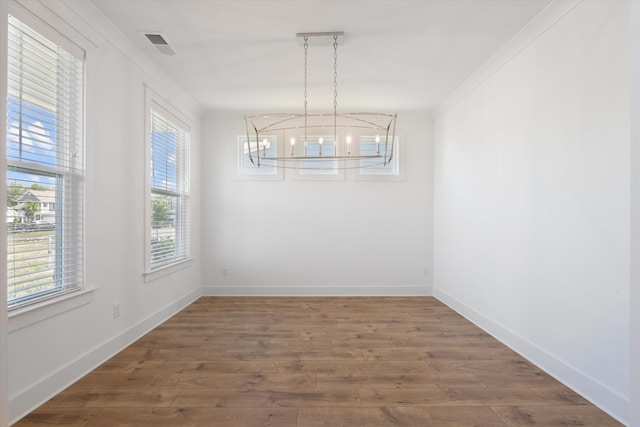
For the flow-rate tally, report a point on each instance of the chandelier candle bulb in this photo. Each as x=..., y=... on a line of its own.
x=293, y=142
x=348, y=145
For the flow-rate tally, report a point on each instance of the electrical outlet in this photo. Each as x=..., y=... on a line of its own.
x=426, y=272
x=116, y=309
x=225, y=272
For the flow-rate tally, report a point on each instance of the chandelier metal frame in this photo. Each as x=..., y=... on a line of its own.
x=310, y=125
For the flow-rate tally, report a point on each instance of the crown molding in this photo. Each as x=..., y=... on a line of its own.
x=539, y=25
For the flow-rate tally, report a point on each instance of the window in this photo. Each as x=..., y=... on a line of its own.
x=318, y=169
x=45, y=170
x=268, y=148
x=168, y=185
x=376, y=167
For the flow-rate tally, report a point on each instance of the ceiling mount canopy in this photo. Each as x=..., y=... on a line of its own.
x=326, y=140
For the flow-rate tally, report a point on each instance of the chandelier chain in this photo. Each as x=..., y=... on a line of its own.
x=306, y=49
x=335, y=74
x=335, y=91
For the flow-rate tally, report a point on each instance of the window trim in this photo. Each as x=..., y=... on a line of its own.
x=336, y=174
x=153, y=101
x=398, y=155
x=272, y=174
x=25, y=315
x=58, y=33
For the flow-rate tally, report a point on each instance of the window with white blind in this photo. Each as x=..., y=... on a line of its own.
x=168, y=188
x=45, y=170
x=375, y=168
x=268, y=147
x=317, y=146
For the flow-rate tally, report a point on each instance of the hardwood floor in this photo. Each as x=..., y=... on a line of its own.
x=310, y=362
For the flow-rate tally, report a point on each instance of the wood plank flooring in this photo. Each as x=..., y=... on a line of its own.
x=311, y=362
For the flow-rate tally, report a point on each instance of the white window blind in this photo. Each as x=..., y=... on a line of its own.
x=45, y=170
x=314, y=148
x=370, y=147
x=169, y=190
x=268, y=147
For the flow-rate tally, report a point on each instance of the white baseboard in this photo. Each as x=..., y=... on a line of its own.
x=320, y=291
x=29, y=399
x=599, y=394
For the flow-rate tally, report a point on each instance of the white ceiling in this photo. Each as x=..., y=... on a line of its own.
x=397, y=55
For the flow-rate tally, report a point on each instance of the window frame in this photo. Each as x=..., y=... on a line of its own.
x=154, y=102
x=395, y=173
x=70, y=178
x=334, y=174
x=255, y=173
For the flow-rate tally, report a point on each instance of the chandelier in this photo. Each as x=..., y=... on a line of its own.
x=321, y=141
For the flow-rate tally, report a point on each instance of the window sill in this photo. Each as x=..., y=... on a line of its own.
x=25, y=316
x=167, y=269
x=379, y=177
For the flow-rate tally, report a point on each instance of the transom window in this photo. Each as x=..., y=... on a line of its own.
x=372, y=146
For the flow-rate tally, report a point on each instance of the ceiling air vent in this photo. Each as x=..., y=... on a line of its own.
x=160, y=43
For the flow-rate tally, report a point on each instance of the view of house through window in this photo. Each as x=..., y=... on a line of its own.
x=44, y=167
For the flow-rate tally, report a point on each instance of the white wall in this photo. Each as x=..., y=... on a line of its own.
x=46, y=356
x=532, y=198
x=293, y=237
